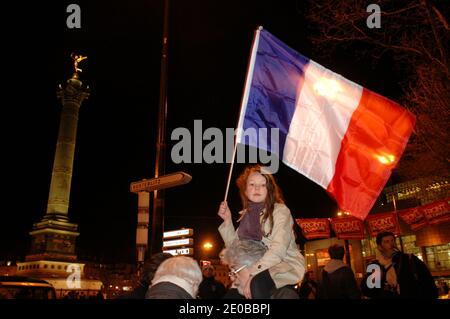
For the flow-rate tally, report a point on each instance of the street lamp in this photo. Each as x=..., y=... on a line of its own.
x=207, y=245
x=346, y=243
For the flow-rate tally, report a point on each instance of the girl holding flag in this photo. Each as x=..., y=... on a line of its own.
x=264, y=218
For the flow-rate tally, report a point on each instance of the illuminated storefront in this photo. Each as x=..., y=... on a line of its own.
x=430, y=243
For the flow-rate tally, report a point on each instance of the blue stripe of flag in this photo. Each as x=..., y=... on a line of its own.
x=277, y=75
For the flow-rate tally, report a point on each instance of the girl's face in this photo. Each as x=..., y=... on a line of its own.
x=256, y=189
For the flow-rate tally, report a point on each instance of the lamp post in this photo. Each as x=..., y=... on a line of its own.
x=346, y=243
x=395, y=210
x=347, y=255
x=207, y=247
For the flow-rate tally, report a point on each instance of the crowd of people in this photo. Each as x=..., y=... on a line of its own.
x=180, y=277
x=265, y=261
x=81, y=295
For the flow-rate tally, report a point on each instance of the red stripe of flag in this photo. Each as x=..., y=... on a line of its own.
x=378, y=130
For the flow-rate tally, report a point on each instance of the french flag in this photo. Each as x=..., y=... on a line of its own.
x=333, y=131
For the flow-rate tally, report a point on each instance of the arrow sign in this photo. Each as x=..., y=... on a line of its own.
x=181, y=251
x=178, y=242
x=178, y=233
x=162, y=182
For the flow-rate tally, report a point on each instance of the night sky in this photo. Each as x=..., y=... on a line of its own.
x=209, y=46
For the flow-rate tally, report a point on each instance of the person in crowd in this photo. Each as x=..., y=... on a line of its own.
x=242, y=256
x=210, y=288
x=267, y=219
x=308, y=288
x=99, y=295
x=148, y=271
x=444, y=288
x=401, y=275
x=176, y=278
x=338, y=279
x=231, y=291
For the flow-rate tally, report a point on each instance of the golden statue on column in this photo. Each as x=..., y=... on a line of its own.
x=77, y=59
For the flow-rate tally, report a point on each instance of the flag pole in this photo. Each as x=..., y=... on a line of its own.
x=231, y=170
x=248, y=81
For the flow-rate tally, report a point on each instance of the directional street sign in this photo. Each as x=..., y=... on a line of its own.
x=162, y=182
x=180, y=251
x=183, y=241
x=185, y=232
x=178, y=242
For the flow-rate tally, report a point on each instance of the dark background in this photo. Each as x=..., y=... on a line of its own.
x=209, y=46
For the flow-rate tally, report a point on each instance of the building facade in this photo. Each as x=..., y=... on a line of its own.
x=431, y=243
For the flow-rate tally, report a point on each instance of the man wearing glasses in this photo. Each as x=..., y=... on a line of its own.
x=240, y=256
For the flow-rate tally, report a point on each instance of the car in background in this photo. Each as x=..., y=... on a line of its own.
x=16, y=287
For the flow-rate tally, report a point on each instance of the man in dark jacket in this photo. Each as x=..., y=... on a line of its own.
x=402, y=275
x=176, y=278
x=148, y=271
x=210, y=288
x=338, y=280
x=309, y=288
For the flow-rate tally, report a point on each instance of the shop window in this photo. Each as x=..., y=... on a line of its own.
x=438, y=257
x=369, y=247
x=409, y=246
x=322, y=257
